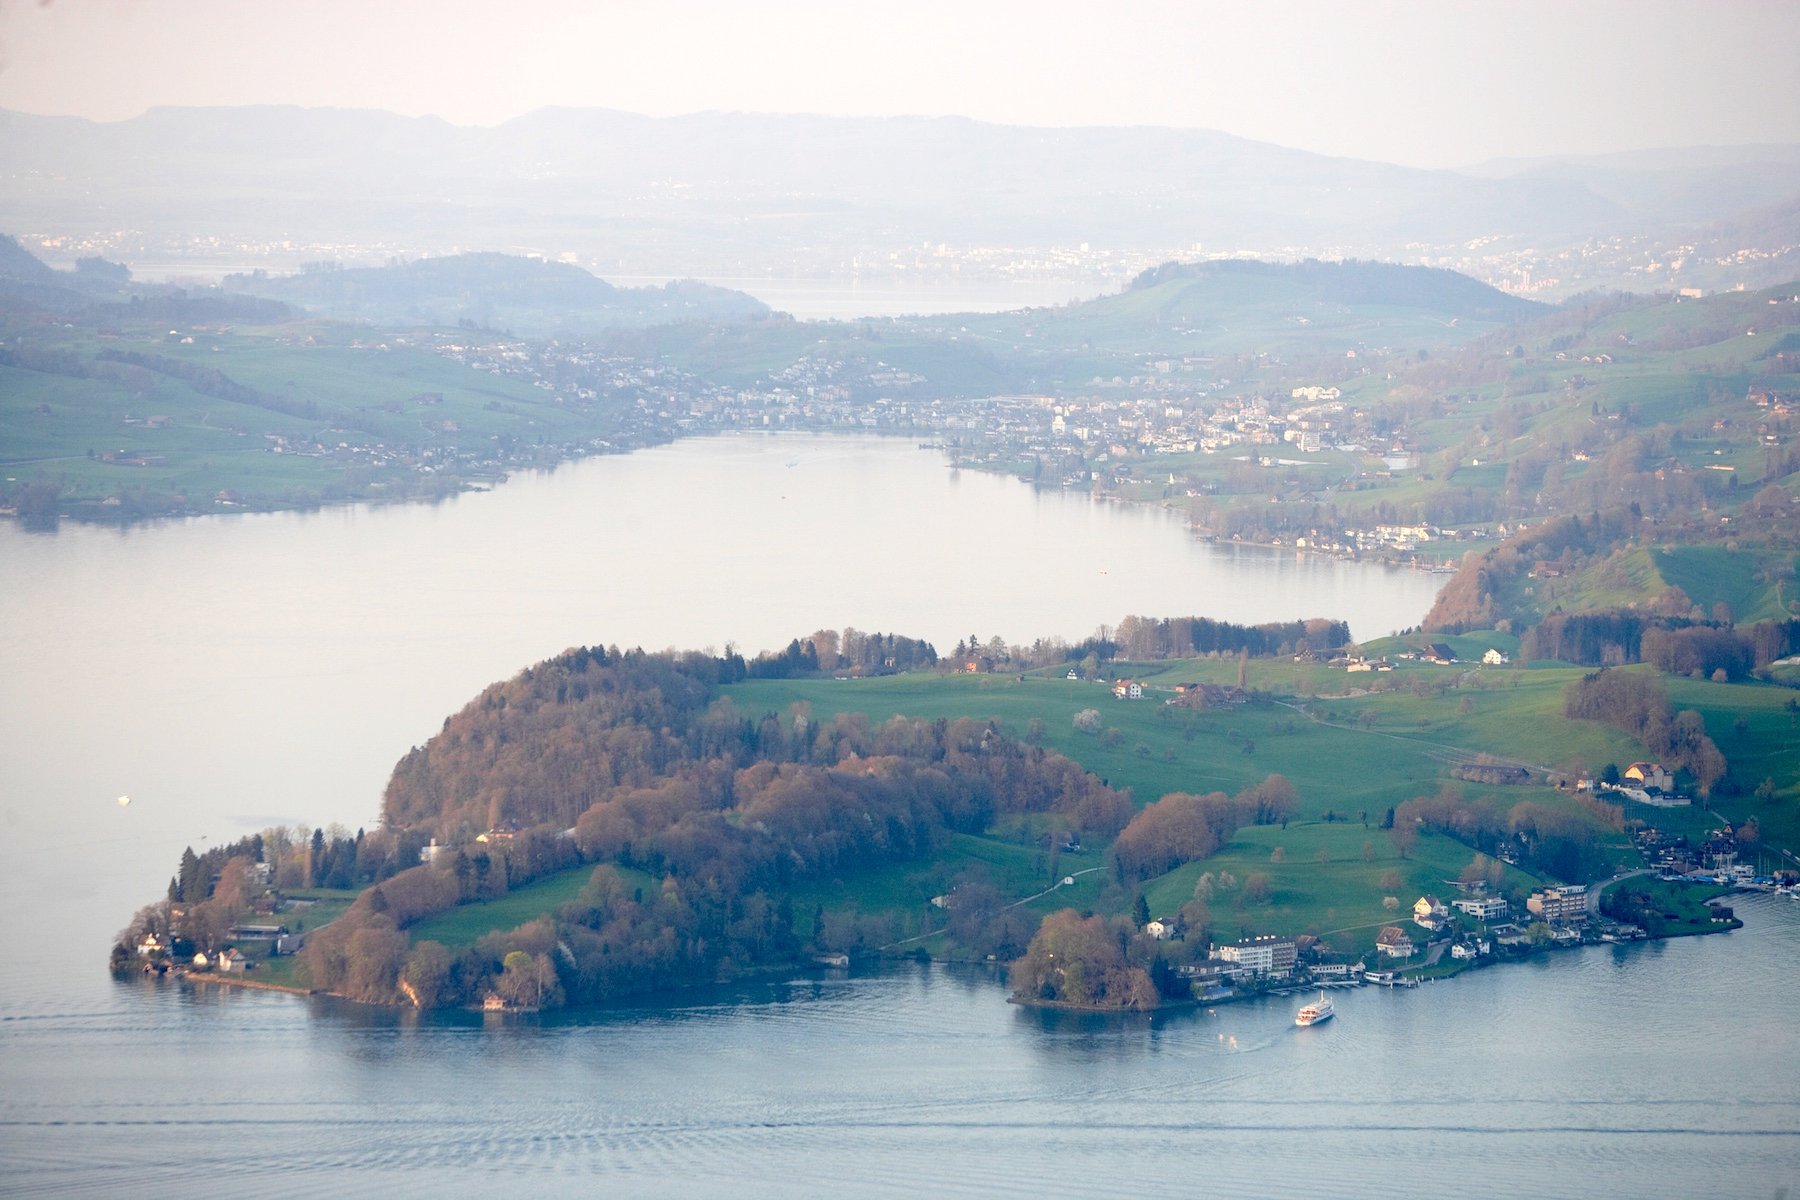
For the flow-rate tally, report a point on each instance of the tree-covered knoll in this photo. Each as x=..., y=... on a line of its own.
x=632, y=761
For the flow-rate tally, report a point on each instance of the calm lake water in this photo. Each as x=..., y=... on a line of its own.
x=229, y=674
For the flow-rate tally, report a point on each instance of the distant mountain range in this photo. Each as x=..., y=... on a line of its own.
x=726, y=195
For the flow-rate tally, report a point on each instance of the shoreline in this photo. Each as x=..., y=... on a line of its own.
x=1735, y=922
x=255, y=985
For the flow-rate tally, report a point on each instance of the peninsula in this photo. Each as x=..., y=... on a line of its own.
x=1228, y=810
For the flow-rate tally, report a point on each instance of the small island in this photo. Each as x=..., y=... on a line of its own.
x=613, y=823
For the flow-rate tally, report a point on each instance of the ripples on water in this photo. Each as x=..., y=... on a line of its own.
x=1658, y=1070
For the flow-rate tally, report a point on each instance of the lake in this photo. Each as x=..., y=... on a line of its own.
x=233, y=673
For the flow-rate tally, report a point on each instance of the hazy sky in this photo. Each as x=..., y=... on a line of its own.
x=1432, y=83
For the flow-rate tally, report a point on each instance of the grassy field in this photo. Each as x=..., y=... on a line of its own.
x=1327, y=882
x=468, y=923
x=1713, y=575
x=1346, y=755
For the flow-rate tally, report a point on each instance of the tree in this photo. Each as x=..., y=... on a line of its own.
x=376, y=954
x=426, y=974
x=1079, y=961
x=1140, y=910
x=232, y=893
x=189, y=887
x=1404, y=835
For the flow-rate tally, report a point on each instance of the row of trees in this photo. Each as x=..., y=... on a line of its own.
x=1567, y=843
x=1182, y=828
x=1678, y=645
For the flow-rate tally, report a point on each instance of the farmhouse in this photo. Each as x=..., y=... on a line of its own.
x=1430, y=913
x=1393, y=943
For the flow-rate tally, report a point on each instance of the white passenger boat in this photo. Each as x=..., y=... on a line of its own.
x=1314, y=1013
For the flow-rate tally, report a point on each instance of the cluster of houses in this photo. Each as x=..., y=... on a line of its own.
x=1191, y=695
x=1713, y=858
x=162, y=954
x=1471, y=926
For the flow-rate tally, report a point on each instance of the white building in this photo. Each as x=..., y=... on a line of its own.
x=1267, y=955
x=1482, y=908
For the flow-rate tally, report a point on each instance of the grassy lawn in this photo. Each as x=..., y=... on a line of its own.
x=468, y=923
x=318, y=908
x=1714, y=575
x=1343, y=761
x=1674, y=909
x=1339, y=899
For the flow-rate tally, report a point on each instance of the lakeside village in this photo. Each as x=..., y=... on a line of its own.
x=1116, y=438
x=1475, y=928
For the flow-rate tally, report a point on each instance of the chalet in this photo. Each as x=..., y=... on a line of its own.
x=151, y=946
x=1160, y=930
x=1128, y=689
x=1393, y=943
x=1439, y=653
x=231, y=962
x=1494, y=658
x=1430, y=913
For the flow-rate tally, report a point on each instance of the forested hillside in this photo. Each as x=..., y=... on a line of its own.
x=630, y=759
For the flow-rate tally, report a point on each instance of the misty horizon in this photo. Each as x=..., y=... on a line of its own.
x=1530, y=82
